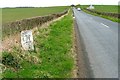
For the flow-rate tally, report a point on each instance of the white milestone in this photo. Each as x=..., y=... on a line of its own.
x=27, y=40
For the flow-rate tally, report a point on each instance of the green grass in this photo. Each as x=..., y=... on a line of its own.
x=52, y=48
x=107, y=8
x=107, y=17
x=104, y=8
x=13, y=14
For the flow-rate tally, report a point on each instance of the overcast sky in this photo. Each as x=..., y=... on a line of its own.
x=44, y=3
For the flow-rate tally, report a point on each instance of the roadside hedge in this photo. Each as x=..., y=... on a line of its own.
x=115, y=15
x=26, y=24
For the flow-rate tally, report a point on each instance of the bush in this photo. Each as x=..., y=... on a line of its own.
x=9, y=60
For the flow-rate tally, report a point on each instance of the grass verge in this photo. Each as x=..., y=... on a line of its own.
x=107, y=17
x=52, y=57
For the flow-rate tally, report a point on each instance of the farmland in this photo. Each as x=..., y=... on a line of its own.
x=104, y=8
x=32, y=15
x=13, y=14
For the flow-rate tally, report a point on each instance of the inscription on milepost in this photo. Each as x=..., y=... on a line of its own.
x=27, y=40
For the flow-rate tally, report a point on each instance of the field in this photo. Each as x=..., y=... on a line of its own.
x=52, y=58
x=13, y=14
x=104, y=8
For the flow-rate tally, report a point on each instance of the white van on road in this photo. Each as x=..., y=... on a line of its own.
x=78, y=9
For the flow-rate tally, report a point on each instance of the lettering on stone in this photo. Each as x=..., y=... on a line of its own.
x=27, y=40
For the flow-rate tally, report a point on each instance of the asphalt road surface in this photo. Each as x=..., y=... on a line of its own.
x=100, y=38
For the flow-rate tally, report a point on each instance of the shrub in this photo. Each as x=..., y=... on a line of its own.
x=9, y=60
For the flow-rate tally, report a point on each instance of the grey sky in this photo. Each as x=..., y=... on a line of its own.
x=43, y=3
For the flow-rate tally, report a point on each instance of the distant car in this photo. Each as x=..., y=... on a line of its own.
x=78, y=9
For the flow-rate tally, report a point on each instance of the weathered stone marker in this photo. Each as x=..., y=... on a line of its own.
x=91, y=7
x=27, y=40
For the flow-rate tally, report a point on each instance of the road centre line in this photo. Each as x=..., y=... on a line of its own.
x=105, y=25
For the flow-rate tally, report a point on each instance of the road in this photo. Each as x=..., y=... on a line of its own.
x=100, y=38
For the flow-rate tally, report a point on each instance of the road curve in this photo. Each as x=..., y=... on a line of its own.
x=100, y=38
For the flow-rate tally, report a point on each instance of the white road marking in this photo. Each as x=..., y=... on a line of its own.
x=105, y=25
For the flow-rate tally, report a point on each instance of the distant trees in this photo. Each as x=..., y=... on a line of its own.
x=72, y=5
x=78, y=5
